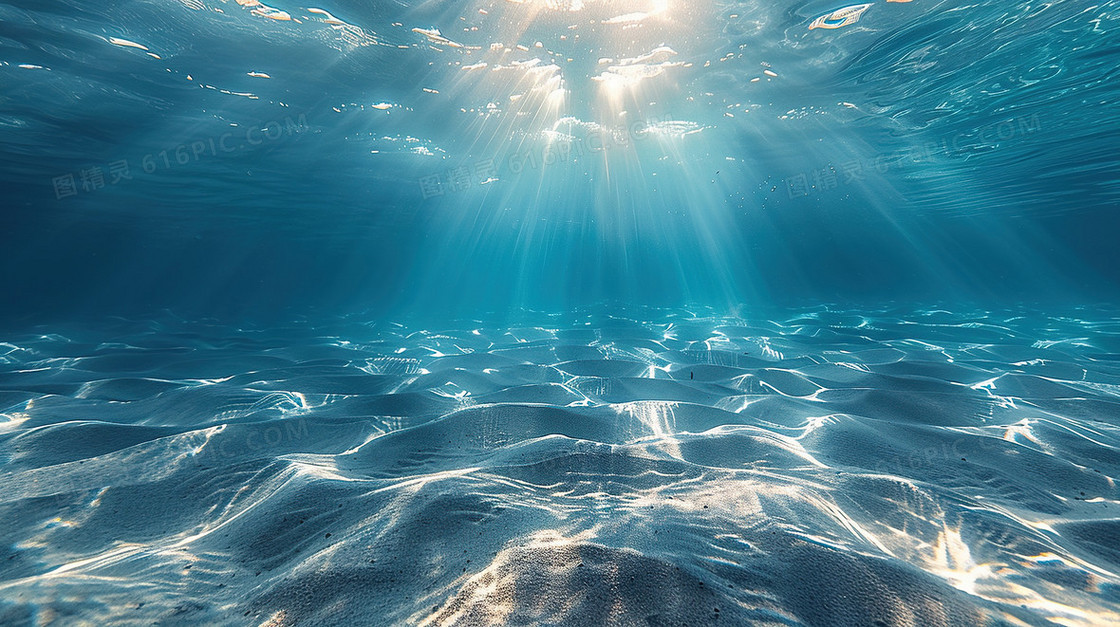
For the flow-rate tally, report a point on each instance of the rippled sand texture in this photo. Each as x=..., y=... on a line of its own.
x=826, y=469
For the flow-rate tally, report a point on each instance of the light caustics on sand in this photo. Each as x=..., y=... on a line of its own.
x=884, y=465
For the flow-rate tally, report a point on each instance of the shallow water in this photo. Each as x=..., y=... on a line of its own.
x=566, y=312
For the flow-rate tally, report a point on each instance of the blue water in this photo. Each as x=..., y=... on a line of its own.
x=523, y=283
x=931, y=151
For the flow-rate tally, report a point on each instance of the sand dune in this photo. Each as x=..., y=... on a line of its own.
x=828, y=468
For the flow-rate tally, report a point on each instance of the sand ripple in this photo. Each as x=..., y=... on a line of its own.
x=668, y=468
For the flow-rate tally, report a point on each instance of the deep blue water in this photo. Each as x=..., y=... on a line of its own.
x=628, y=312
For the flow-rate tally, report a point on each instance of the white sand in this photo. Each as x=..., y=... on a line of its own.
x=895, y=468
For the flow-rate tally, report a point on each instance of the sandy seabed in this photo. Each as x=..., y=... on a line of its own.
x=664, y=467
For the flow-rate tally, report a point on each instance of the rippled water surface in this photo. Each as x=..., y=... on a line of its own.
x=221, y=156
x=565, y=312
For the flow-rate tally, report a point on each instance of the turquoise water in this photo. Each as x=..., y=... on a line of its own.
x=628, y=312
x=718, y=154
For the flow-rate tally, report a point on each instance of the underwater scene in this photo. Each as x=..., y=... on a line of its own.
x=559, y=312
